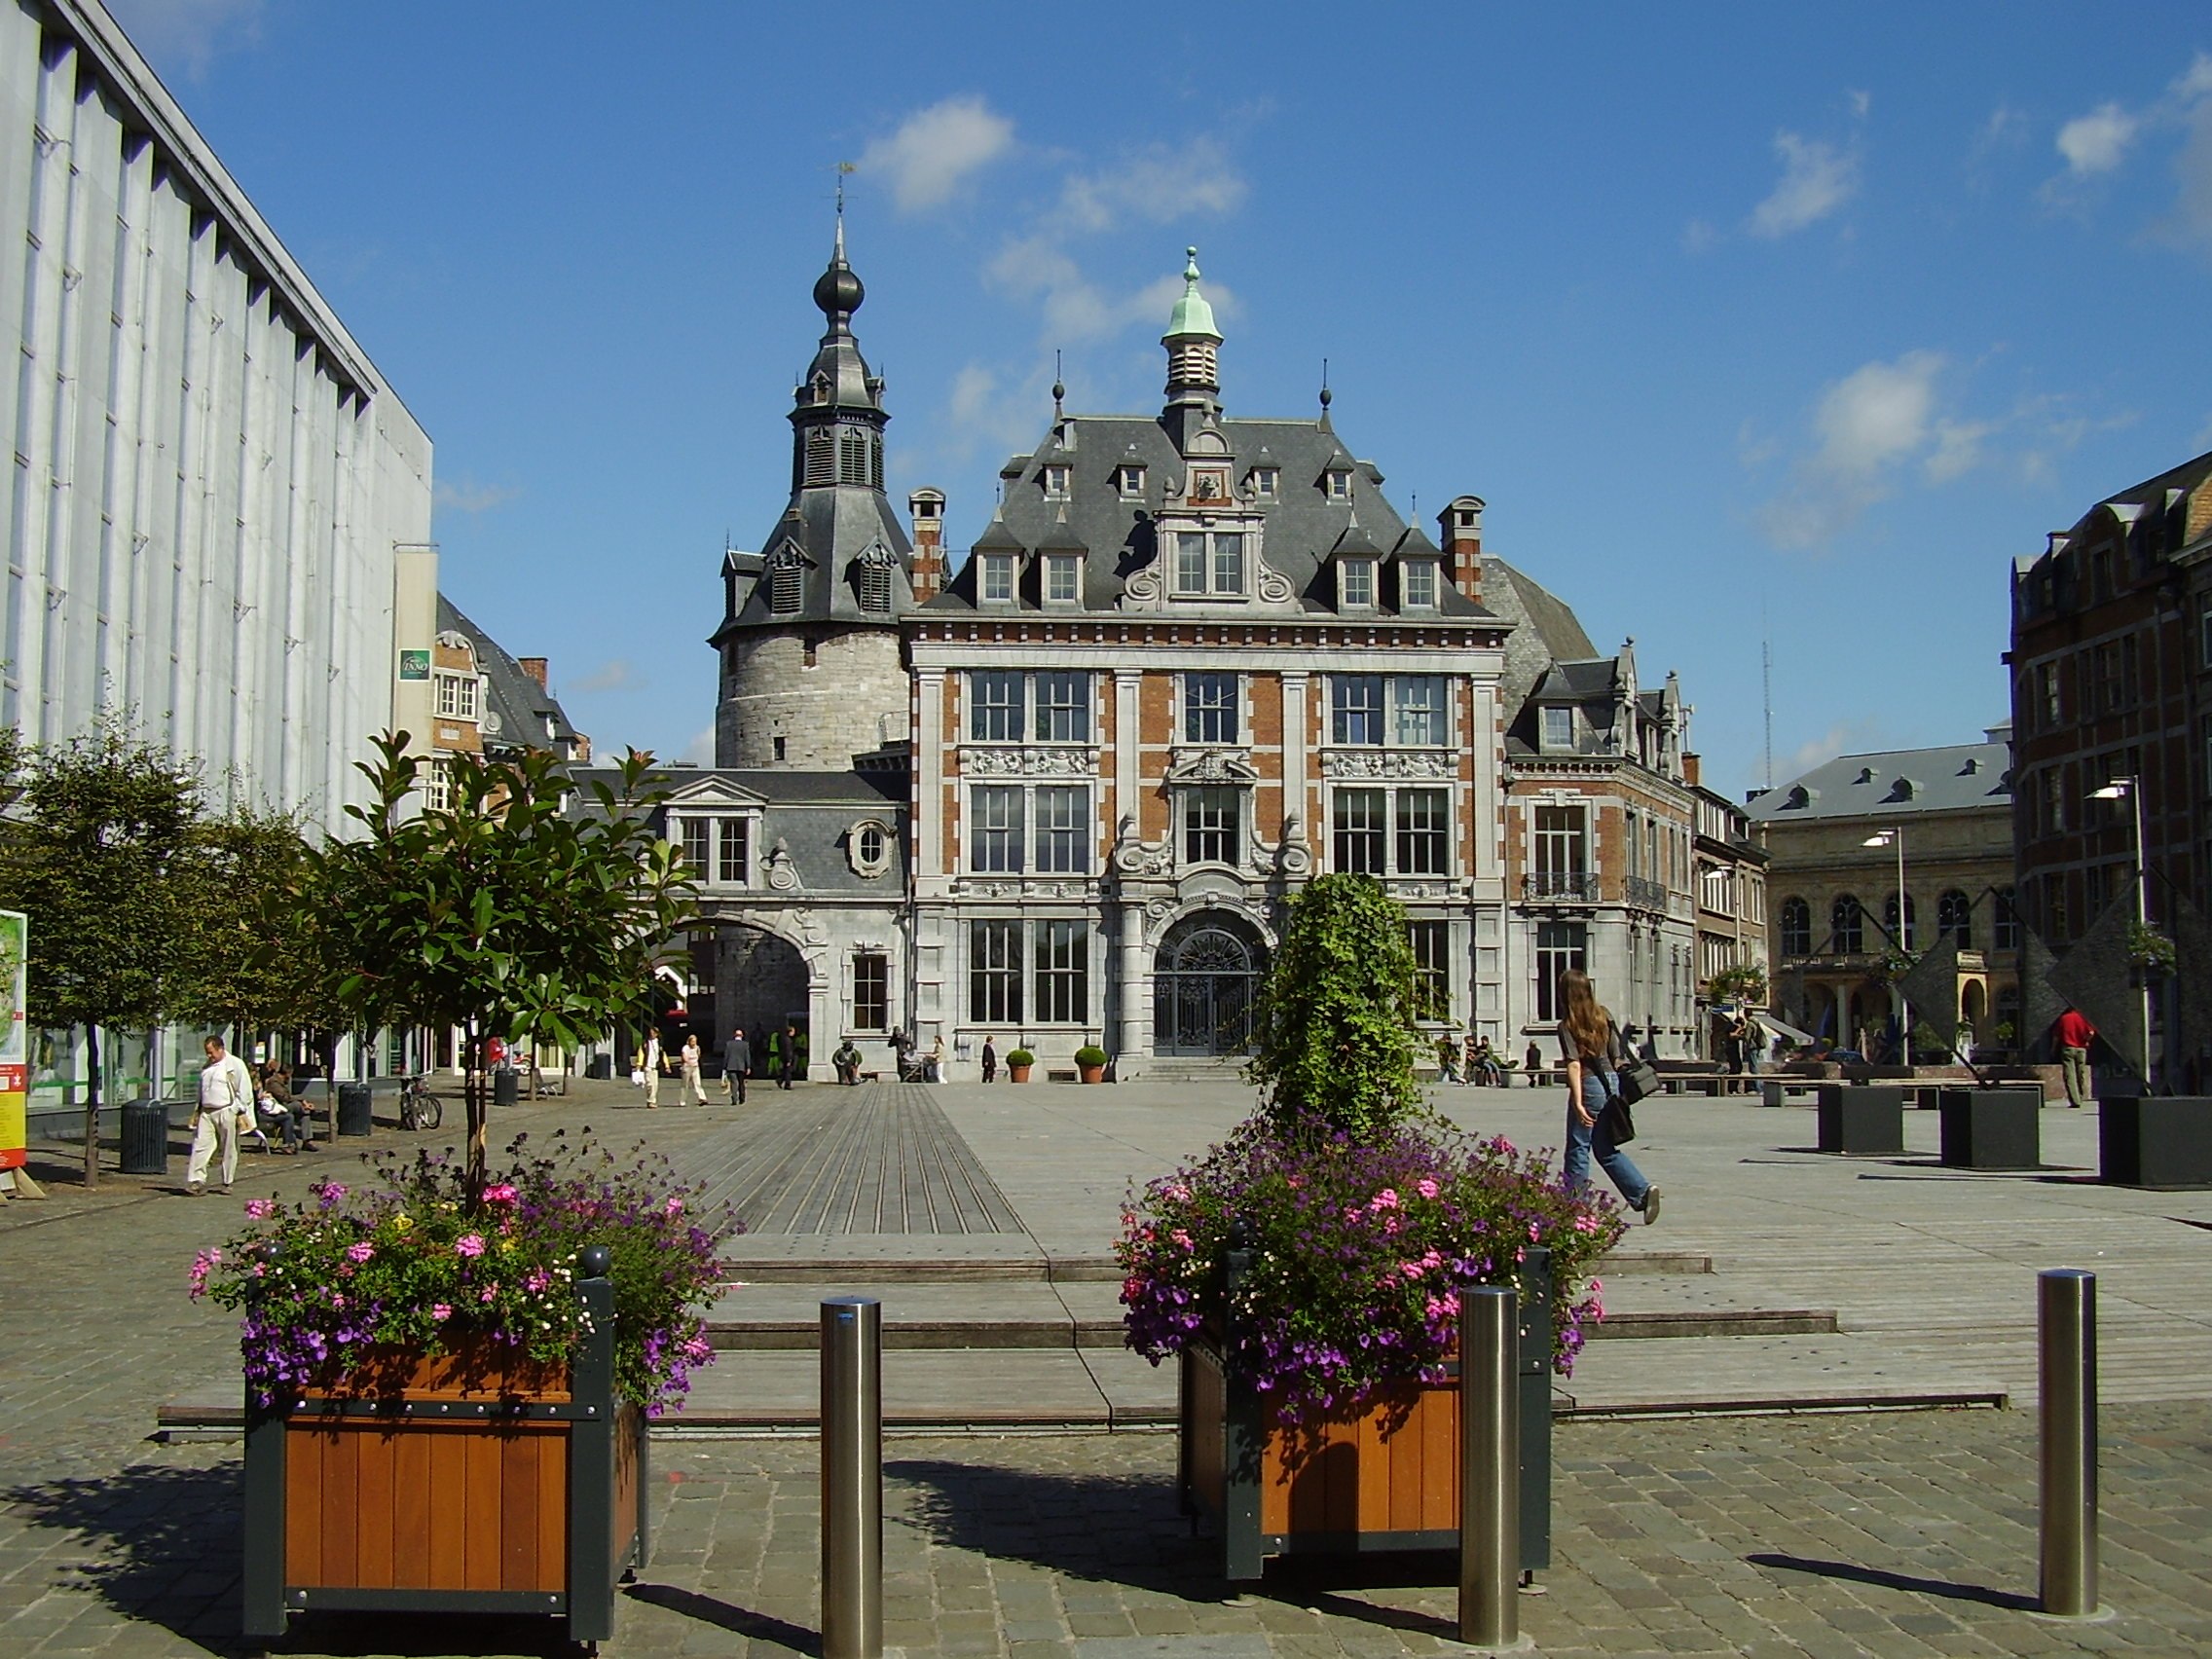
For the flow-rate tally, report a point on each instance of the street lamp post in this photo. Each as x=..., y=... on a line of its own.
x=1896, y=838
x=2131, y=790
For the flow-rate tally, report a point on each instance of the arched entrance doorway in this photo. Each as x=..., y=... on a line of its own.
x=761, y=984
x=1204, y=981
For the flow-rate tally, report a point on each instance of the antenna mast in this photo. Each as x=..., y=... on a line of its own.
x=1766, y=688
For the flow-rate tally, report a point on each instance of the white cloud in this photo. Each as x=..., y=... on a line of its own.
x=466, y=496
x=618, y=673
x=2097, y=142
x=936, y=149
x=1820, y=750
x=1865, y=426
x=1861, y=102
x=1816, y=179
x=1958, y=449
x=700, y=750
x=188, y=35
x=1157, y=184
x=2197, y=80
x=1698, y=236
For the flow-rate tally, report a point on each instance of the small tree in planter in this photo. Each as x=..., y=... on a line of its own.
x=501, y=911
x=1306, y=1273
x=1017, y=1064
x=1090, y=1062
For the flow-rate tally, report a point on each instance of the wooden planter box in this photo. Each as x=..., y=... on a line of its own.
x=1380, y=1476
x=1992, y=1128
x=460, y=1484
x=1862, y=1121
x=2159, y=1141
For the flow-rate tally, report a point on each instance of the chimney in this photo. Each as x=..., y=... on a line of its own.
x=535, y=667
x=1461, y=538
x=925, y=507
x=1690, y=769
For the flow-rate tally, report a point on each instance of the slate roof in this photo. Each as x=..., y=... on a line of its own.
x=1948, y=779
x=1300, y=526
x=520, y=714
x=1547, y=632
x=811, y=812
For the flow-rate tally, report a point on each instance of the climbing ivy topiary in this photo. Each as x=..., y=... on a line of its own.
x=1335, y=1037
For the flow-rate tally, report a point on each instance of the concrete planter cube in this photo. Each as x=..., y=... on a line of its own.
x=1862, y=1121
x=2161, y=1141
x=1992, y=1128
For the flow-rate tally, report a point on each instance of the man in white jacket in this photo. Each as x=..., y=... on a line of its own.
x=226, y=1088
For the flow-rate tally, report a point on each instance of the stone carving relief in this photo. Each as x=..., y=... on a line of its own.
x=1384, y=763
x=1212, y=767
x=783, y=875
x=1133, y=856
x=1294, y=858
x=1076, y=762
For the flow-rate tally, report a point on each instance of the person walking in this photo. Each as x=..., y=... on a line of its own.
x=787, y=1056
x=653, y=1067
x=694, y=1089
x=2074, y=1035
x=737, y=1066
x=1590, y=1050
x=226, y=1091
x=990, y=1062
x=936, y=1073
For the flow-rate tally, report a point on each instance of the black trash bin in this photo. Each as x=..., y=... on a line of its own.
x=354, y=1109
x=145, y=1137
x=600, y=1066
x=506, y=1086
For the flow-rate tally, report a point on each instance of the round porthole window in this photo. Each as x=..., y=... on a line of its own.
x=869, y=847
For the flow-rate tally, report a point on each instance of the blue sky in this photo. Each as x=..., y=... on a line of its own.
x=1739, y=317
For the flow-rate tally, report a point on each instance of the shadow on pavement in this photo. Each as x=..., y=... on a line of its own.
x=163, y=1546
x=2009, y=1599
x=741, y=1621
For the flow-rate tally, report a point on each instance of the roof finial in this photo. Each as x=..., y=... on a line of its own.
x=843, y=168
x=1059, y=389
x=1326, y=395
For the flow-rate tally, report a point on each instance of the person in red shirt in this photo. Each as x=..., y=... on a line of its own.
x=2074, y=1035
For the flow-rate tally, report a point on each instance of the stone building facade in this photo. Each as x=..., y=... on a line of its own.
x=1057, y=792
x=1834, y=898
x=2112, y=678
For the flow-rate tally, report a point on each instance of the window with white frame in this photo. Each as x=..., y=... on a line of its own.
x=871, y=991
x=1362, y=832
x=1000, y=701
x=1063, y=706
x=867, y=847
x=1336, y=484
x=1055, y=478
x=1266, y=482
x=1405, y=710
x=1417, y=584
x=1209, y=564
x=995, y=704
x=1356, y=584
x=733, y=852
x=1128, y=481
x=994, y=829
x=1210, y=709
x=1431, y=943
x=437, y=786
x=699, y=845
x=1064, y=828
x=458, y=695
x=994, y=972
x=995, y=580
x=1424, y=818
x=1558, y=729
x=1562, y=856
x=1212, y=822
x=1063, y=578
x=1392, y=831
x=1062, y=972
x=1560, y=946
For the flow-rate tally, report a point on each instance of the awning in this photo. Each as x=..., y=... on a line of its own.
x=1782, y=1029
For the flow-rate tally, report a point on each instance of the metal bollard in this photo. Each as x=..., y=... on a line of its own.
x=851, y=1478
x=1489, y=1466
x=2066, y=1322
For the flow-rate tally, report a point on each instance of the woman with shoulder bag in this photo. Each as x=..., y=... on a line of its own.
x=1591, y=1049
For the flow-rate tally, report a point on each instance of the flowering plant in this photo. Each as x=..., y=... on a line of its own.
x=407, y=1262
x=1357, y=1251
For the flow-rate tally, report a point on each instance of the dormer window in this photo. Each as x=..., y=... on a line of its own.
x=457, y=696
x=995, y=581
x=1267, y=483
x=786, y=582
x=1209, y=564
x=1355, y=584
x=1337, y=483
x=1129, y=480
x=1063, y=578
x=1054, y=476
x=875, y=579
x=1417, y=584
x=1557, y=730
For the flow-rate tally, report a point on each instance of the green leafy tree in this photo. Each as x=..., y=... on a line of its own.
x=502, y=912
x=1745, y=981
x=1336, y=1035
x=106, y=854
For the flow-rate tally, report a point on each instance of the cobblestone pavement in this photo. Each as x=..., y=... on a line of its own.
x=1896, y=1536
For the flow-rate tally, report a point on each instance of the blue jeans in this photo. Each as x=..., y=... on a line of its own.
x=1583, y=1140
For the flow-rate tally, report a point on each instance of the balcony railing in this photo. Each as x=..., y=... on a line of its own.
x=1645, y=894
x=1557, y=887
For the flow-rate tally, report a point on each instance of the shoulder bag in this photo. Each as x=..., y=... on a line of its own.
x=1618, y=1121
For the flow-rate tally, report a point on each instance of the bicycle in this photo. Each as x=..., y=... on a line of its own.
x=418, y=1108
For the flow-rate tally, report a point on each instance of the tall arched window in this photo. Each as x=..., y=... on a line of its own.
x=1954, y=918
x=1796, y=927
x=1847, y=926
x=1889, y=920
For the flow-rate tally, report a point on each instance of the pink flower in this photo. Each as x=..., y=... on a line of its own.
x=203, y=1264
x=1386, y=1199
x=488, y=1293
x=502, y=1193
x=538, y=1280
x=1427, y=1187
x=360, y=1252
x=331, y=1193
x=441, y=1311
x=1535, y=1234
x=1181, y=1239
x=260, y=1209
x=469, y=1245
x=674, y=1205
